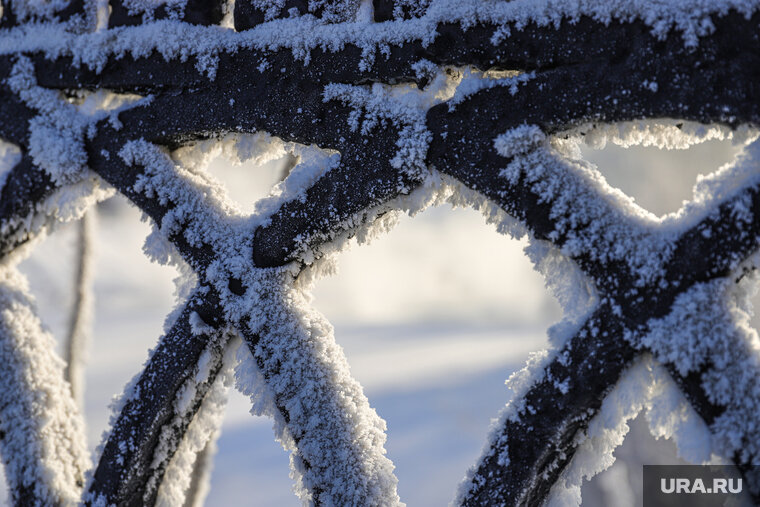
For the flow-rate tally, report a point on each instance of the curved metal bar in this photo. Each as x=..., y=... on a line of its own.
x=338, y=201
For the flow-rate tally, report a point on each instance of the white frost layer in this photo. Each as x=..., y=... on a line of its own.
x=708, y=327
x=401, y=106
x=145, y=8
x=302, y=34
x=336, y=439
x=333, y=11
x=202, y=432
x=644, y=385
x=203, y=215
x=43, y=445
x=56, y=134
x=661, y=133
x=330, y=421
x=595, y=219
x=473, y=81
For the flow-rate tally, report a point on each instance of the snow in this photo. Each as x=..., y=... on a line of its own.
x=473, y=81
x=662, y=133
x=707, y=329
x=43, y=446
x=594, y=219
x=332, y=11
x=401, y=106
x=203, y=431
x=304, y=33
x=518, y=141
x=38, y=8
x=56, y=134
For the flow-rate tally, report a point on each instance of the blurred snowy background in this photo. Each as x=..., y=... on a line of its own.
x=433, y=317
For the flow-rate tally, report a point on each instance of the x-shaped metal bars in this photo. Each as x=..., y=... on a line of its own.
x=580, y=71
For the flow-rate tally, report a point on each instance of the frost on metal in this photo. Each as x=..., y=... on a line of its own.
x=386, y=107
x=43, y=445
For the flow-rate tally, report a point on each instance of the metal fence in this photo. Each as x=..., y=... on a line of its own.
x=355, y=78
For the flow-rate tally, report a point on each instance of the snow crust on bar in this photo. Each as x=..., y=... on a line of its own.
x=604, y=223
x=302, y=34
x=333, y=11
x=473, y=81
x=402, y=107
x=593, y=218
x=336, y=439
x=43, y=446
x=178, y=452
x=647, y=386
x=56, y=146
x=55, y=135
x=708, y=331
x=662, y=133
x=204, y=429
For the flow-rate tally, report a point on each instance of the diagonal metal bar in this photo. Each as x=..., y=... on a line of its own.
x=337, y=439
x=104, y=159
x=158, y=408
x=500, y=472
x=562, y=402
x=24, y=188
x=537, y=438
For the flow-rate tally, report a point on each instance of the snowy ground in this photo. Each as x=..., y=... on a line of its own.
x=433, y=318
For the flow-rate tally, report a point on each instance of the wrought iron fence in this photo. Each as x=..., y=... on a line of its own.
x=477, y=98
